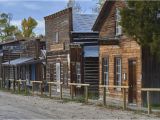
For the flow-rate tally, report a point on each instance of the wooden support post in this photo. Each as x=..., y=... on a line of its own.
x=19, y=87
x=86, y=92
x=72, y=92
x=25, y=87
x=104, y=96
x=124, y=99
x=32, y=88
x=61, y=91
x=41, y=89
x=50, y=92
x=14, y=89
x=148, y=102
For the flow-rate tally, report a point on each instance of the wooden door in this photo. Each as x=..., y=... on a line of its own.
x=132, y=81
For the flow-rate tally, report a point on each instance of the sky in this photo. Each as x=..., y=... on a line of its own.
x=38, y=9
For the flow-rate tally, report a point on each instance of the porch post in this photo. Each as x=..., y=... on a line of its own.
x=148, y=102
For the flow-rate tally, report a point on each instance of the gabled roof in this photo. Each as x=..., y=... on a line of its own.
x=102, y=15
x=83, y=22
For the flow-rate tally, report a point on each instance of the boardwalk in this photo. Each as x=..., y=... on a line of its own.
x=28, y=107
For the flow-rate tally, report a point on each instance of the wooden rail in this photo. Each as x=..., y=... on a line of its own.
x=148, y=90
x=55, y=83
x=80, y=85
x=25, y=86
x=113, y=86
x=39, y=82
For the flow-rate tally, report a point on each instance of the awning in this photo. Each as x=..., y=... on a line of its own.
x=21, y=61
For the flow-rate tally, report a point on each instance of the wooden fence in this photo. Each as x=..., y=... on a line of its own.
x=38, y=82
x=55, y=83
x=25, y=86
x=148, y=90
x=80, y=85
x=123, y=89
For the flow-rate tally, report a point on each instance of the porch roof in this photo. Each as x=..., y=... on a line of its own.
x=21, y=61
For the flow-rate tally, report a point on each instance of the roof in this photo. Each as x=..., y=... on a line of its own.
x=102, y=15
x=58, y=13
x=20, y=61
x=83, y=22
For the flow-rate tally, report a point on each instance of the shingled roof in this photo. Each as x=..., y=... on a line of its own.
x=83, y=22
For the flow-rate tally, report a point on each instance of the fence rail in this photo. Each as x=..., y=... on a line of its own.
x=110, y=86
x=38, y=82
x=55, y=83
x=80, y=85
x=148, y=90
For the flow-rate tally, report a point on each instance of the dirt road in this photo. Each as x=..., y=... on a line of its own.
x=27, y=107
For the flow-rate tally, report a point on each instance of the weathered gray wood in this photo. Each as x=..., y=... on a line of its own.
x=124, y=99
x=148, y=102
x=86, y=94
x=32, y=88
x=72, y=92
x=50, y=92
x=104, y=96
x=61, y=91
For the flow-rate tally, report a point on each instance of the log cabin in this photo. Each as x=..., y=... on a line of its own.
x=28, y=65
x=61, y=30
x=122, y=61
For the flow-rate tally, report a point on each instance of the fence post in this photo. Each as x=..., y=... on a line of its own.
x=61, y=91
x=32, y=88
x=148, y=102
x=19, y=87
x=72, y=92
x=14, y=85
x=25, y=85
x=41, y=89
x=104, y=95
x=124, y=99
x=50, y=90
x=86, y=92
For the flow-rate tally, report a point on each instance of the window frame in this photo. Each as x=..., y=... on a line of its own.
x=105, y=64
x=117, y=73
x=118, y=27
x=78, y=72
x=57, y=37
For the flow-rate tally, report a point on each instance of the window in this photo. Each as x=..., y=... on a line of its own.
x=118, y=71
x=78, y=72
x=57, y=37
x=58, y=75
x=118, y=26
x=105, y=71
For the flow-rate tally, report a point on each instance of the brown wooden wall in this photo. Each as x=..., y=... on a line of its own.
x=108, y=26
x=59, y=22
x=126, y=50
x=125, y=47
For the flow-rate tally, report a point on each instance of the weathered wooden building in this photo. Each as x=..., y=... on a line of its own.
x=122, y=61
x=24, y=60
x=59, y=29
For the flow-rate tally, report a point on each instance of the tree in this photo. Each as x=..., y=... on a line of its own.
x=140, y=20
x=6, y=29
x=75, y=6
x=28, y=25
x=98, y=6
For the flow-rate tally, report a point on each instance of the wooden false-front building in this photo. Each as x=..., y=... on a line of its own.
x=122, y=61
x=61, y=29
x=24, y=60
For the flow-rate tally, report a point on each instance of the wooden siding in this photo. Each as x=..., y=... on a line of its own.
x=125, y=47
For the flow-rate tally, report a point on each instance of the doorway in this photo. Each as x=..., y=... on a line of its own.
x=132, y=81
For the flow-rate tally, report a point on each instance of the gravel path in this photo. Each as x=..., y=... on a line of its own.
x=27, y=107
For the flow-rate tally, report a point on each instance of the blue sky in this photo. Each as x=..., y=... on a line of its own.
x=38, y=9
